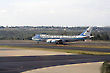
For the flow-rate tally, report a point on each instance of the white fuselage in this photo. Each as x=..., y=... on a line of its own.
x=58, y=37
x=62, y=38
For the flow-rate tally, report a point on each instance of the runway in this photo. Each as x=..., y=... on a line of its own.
x=51, y=46
x=24, y=63
x=15, y=62
x=71, y=68
x=18, y=64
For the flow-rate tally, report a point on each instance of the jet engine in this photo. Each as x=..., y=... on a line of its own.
x=56, y=41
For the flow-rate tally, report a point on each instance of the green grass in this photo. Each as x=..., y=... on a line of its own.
x=105, y=67
x=61, y=50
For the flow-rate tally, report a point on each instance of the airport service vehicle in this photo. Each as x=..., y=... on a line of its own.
x=60, y=39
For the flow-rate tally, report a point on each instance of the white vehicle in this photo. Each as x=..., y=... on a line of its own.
x=60, y=39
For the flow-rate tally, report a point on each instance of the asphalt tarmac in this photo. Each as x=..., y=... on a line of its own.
x=94, y=67
x=51, y=46
x=20, y=64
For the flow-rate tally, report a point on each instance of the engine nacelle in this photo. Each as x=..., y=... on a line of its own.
x=52, y=40
x=57, y=41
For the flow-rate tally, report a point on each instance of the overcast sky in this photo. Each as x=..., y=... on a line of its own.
x=55, y=12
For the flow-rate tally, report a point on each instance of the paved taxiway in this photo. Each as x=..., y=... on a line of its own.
x=18, y=64
x=20, y=60
x=52, y=46
x=94, y=67
x=22, y=52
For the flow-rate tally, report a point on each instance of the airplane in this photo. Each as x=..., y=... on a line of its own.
x=60, y=39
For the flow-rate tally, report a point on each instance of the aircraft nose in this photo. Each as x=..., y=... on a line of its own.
x=36, y=37
x=32, y=38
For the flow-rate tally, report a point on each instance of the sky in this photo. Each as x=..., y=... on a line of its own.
x=54, y=12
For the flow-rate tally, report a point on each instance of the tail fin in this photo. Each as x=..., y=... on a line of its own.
x=87, y=32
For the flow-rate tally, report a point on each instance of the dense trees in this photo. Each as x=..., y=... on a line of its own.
x=101, y=36
x=102, y=33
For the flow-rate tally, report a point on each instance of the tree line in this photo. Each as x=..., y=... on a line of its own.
x=101, y=33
